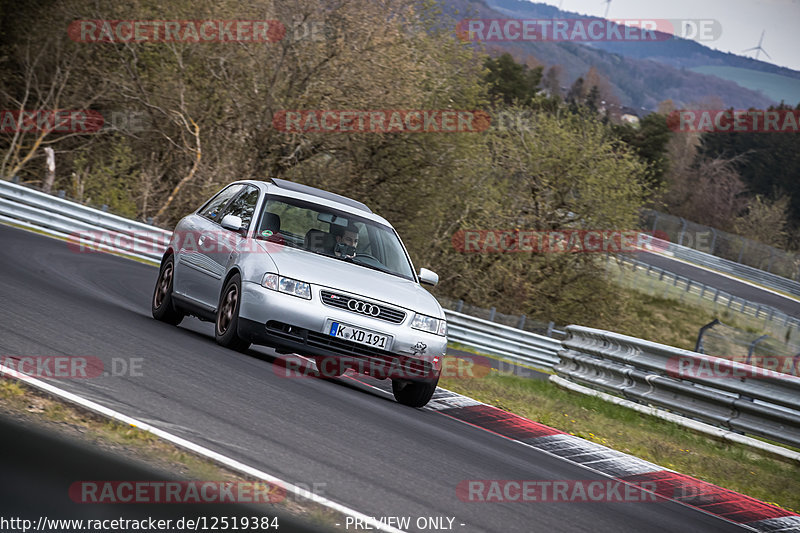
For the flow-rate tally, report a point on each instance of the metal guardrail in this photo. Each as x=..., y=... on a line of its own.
x=727, y=266
x=511, y=343
x=80, y=224
x=73, y=221
x=712, y=294
x=767, y=406
x=725, y=393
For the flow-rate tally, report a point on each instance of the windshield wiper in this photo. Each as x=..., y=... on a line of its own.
x=373, y=267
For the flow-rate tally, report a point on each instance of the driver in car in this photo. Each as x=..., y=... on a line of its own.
x=346, y=241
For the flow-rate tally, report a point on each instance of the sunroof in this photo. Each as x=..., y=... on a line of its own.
x=313, y=191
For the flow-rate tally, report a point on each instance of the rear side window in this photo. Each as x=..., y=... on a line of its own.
x=214, y=207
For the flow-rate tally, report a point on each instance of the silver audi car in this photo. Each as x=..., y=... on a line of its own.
x=309, y=272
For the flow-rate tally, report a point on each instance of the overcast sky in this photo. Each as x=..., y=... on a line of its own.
x=742, y=21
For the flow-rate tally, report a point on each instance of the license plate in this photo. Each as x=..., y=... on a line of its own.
x=361, y=336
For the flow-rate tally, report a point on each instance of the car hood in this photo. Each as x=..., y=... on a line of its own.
x=336, y=274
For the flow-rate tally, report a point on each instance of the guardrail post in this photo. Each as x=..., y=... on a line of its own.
x=716, y=295
x=550, y=328
x=713, y=240
x=752, y=347
x=104, y=208
x=459, y=306
x=15, y=179
x=521, y=322
x=492, y=312
x=741, y=251
x=683, y=230
x=769, y=263
x=698, y=347
x=62, y=193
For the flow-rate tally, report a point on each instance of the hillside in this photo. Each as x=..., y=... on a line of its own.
x=644, y=74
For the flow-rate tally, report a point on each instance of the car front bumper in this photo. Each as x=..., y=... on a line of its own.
x=292, y=324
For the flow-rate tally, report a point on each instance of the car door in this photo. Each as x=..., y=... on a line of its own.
x=218, y=245
x=194, y=270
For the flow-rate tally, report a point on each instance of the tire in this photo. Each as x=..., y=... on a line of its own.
x=162, y=306
x=226, y=325
x=414, y=393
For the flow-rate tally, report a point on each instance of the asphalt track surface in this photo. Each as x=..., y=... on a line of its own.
x=366, y=451
x=743, y=290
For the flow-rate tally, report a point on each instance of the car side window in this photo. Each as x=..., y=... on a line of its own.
x=214, y=206
x=243, y=206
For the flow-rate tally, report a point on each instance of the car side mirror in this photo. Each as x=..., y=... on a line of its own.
x=428, y=277
x=231, y=222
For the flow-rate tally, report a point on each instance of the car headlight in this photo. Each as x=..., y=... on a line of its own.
x=436, y=326
x=291, y=286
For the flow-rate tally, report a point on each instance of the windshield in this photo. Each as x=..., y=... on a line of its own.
x=336, y=234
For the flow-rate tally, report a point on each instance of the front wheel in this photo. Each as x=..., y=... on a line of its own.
x=162, y=306
x=414, y=393
x=227, y=323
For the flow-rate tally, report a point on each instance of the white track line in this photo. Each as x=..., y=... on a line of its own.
x=200, y=450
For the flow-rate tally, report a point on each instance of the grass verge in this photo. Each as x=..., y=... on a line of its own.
x=30, y=406
x=730, y=465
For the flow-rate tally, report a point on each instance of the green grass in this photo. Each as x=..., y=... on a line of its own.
x=661, y=312
x=772, y=85
x=51, y=414
x=730, y=465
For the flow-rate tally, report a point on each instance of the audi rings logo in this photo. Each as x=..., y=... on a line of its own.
x=363, y=307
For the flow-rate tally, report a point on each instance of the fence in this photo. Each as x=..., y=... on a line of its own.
x=756, y=349
x=491, y=315
x=665, y=284
x=726, y=246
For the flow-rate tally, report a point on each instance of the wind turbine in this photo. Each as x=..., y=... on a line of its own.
x=608, y=6
x=758, y=48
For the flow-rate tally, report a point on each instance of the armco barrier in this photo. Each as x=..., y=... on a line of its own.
x=731, y=395
x=634, y=368
x=727, y=266
x=511, y=343
x=36, y=209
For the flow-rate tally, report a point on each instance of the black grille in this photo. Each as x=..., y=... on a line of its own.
x=378, y=358
x=395, y=316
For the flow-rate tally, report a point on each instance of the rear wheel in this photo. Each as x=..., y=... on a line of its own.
x=227, y=323
x=414, y=393
x=162, y=306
